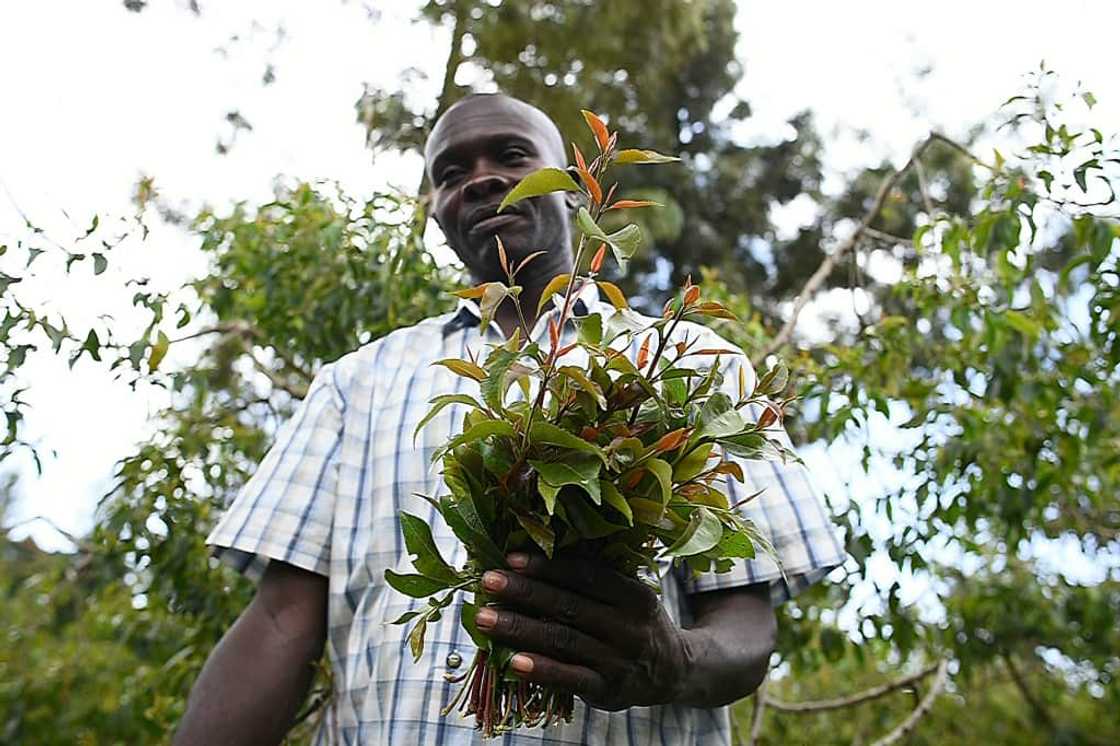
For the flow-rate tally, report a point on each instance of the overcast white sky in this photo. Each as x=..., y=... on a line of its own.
x=94, y=96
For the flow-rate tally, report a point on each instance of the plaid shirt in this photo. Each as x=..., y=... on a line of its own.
x=327, y=497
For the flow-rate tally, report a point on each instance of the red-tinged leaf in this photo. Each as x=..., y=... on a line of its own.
x=610, y=192
x=597, y=260
x=566, y=349
x=681, y=347
x=468, y=293
x=526, y=261
x=732, y=468
x=768, y=417
x=669, y=441
x=614, y=294
x=630, y=204
x=581, y=164
x=643, y=352
x=502, y=259
x=613, y=142
x=631, y=480
x=593, y=187
x=691, y=295
x=688, y=281
x=667, y=309
x=588, y=433
x=715, y=310
x=596, y=124
x=715, y=351
x=463, y=368
x=553, y=332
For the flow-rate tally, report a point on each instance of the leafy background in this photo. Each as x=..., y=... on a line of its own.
x=966, y=385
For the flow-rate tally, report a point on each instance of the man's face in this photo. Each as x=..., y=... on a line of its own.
x=477, y=152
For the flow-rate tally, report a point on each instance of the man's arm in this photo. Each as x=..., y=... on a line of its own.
x=257, y=676
x=582, y=627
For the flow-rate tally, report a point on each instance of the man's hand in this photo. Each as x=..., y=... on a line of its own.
x=582, y=627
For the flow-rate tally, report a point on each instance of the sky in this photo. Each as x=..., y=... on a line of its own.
x=94, y=97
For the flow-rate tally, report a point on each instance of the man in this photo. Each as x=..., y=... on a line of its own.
x=321, y=513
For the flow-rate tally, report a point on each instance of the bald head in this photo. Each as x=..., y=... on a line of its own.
x=494, y=112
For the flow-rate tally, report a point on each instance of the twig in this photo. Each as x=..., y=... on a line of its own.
x=296, y=392
x=853, y=699
x=907, y=725
x=923, y=187
x=960, y=149
x=879, y=235
x=757, y=712
x=1036, y=706
x=829, y=263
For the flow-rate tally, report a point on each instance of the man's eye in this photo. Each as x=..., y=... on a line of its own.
x=449, y=174
x=514, y=154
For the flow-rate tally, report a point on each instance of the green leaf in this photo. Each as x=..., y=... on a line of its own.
x=556, y=285
x=493, y=388
x=438, y=403
x=100, y=263
x=635, y=155
x=417, y=586
x=664, y=474
x=543, y=181
x=483, y=429
x=548, y=493
x=624, y=243
x=590, y=329
x=463, y=519
x=735, y=544
x=614, y=295
x=588, y=225
x=692, y=464
x=467, y=618
x=416, y=639
x=649, y=512
x=702, y=533
x=426, y=557
x=549, y=434
x=580, y=378
x=581, y=472
x=722, y=425
x=586, y=520
x=538, y=532
x=614, y=498
x=408, y=616
x=159, y=349
x=463, y=368
x=1023, y=324
x=775, y=380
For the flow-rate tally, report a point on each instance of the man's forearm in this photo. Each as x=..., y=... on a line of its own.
x=257, y=676
x=728, y=648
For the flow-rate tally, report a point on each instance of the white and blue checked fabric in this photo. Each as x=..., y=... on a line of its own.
x=326, y=498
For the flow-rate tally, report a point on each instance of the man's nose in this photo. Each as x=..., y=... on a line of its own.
x=485, y=184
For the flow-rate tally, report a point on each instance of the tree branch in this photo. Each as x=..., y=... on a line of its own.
x=907, y=725
x=1040, y=711
x=923, y=187
x=854, y=699
x=830, y=261
x=757, y=712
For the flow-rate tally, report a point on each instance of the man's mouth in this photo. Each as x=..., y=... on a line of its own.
x=491, y=224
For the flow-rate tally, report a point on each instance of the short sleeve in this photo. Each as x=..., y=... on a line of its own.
x=788, y=511
x=285, y=511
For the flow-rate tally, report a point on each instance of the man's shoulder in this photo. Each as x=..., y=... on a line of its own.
x=398, y=347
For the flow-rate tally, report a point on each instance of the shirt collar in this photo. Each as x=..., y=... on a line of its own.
x=468, y=315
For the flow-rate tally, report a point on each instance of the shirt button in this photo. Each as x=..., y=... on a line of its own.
x=454, y=660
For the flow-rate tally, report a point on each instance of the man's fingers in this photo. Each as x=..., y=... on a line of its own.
x=552, y=639
x=588, y=579
x=548, y=601
x=579, y=680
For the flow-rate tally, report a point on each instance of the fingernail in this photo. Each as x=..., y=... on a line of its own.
x=521, y=663
x=486, y=618
x=517, y=560
x=494, y=581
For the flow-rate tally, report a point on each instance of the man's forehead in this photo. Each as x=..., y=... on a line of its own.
x=493, y=115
